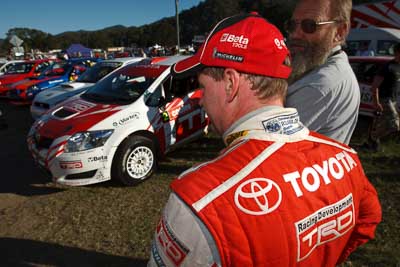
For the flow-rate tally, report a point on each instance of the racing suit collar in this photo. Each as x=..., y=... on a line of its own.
x=271, y=123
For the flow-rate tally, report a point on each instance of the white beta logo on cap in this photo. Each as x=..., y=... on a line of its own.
x=237, y=41
x=279, y=43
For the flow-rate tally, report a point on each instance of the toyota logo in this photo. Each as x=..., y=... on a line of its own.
x=258, y=196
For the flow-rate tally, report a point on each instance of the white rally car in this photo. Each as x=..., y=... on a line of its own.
x=49, y=98
x=120, y=127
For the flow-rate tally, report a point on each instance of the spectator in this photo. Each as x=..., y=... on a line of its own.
x=248, y=207
x=364, y=50
x=323, y=87
x=385, y=89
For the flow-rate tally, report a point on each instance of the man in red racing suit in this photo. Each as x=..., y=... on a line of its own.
x=278, y=195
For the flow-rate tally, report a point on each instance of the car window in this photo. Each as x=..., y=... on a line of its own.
x=181, y=87
x=40, y=67
x=385, y=47
x=365, y=71
x=19, y=68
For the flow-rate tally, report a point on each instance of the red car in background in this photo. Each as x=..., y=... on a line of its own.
x=21, y=71
x=365, y=69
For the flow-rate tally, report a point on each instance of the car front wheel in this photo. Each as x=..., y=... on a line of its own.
x=134, y=161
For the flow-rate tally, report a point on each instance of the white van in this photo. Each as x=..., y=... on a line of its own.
x=120, y=127
x=379, y=40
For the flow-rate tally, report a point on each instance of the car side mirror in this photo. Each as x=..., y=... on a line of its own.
x=159, y=102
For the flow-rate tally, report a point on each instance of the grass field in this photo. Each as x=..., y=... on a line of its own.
x=43, y=224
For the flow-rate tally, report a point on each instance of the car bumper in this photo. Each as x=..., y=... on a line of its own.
x=73, y=169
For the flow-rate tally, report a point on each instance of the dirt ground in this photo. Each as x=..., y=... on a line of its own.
x=42, y=224
x=16, y=163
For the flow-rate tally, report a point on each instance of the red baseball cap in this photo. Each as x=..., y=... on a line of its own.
x=247, y=43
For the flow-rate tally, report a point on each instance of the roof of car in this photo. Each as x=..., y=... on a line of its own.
x=124, y=59
x=168, y=61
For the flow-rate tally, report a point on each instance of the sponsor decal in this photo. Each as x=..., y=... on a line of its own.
x=79, y=106
x=170, y=245
x=324, y=225
x=286, y=124
x=232, y=137
x=156, y=256
x=133, y=116
x=55, y=81
x=236, y=41
x=165, y=116
x=76, y=164
x=258, y=196
x=311, y=177
x=280, y=44
x=95, y=158
x=226, y=56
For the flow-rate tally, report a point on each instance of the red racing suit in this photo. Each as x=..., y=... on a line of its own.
x=279, y=195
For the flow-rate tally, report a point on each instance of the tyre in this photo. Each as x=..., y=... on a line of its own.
x=134, y=161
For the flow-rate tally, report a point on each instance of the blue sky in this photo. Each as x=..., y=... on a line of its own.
x=59, y=16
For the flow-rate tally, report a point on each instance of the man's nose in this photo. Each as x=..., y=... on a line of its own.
x=297, y=33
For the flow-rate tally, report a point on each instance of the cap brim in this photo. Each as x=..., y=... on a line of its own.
x=188, y=66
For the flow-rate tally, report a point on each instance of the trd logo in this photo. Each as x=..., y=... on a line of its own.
x=169, y=244
x=70, y=164
x=325, y=225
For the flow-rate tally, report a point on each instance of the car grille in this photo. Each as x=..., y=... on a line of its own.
x=42, y=105
x=82, y=175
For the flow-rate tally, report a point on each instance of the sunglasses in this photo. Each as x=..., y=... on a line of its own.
x=307, y=25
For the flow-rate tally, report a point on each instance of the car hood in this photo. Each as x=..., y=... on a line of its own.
x=10, y=78
x=58, y=93
x=75, y=115
x=29, y=83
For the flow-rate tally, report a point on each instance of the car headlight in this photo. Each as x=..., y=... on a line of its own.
x=32, y=89
x=87, y=140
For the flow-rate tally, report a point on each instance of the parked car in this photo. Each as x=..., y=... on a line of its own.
x=49, y=98
x=21, y=71
x=120, y=127
x=365, y=69
x=7, y=65
x=379, y=40
x=60, y=72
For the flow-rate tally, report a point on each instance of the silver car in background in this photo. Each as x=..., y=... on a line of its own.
x=49, y=98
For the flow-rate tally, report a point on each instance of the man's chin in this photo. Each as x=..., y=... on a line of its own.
x=295, y=49
x=211, y=128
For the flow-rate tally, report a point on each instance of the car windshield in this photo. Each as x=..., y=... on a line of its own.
x=56, y=69
x=20, y=68
x=98, y=71
x=123, y=86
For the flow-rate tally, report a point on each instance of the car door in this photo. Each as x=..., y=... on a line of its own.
x=180, y=116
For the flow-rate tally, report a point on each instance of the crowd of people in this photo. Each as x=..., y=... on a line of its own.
x=287, y=190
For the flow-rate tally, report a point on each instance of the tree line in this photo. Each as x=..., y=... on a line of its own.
x=195, y=21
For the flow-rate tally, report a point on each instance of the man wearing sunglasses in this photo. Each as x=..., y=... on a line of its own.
x=323, y=87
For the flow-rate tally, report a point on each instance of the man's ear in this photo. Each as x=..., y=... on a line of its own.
x=342, y=30
x=231, y=79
